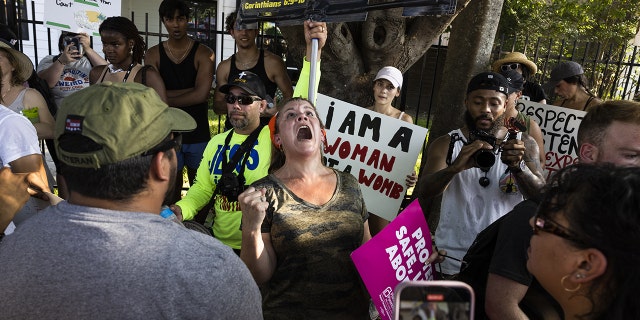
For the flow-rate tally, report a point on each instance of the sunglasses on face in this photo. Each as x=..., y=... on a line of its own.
x=549, y=226
x=174, y=143
x=510, y=66
x=242, y=99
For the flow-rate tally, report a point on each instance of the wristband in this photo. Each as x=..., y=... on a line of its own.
x=62, y=63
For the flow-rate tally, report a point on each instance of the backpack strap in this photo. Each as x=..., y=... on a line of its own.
x=455, y=137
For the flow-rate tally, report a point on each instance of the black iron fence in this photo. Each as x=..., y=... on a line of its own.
x=612, y=70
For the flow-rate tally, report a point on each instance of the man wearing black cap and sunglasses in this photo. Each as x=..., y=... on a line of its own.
x=236, y=158
x=518, y=62
x=481, y=170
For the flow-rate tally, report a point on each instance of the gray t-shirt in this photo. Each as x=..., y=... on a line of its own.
x=75, y=262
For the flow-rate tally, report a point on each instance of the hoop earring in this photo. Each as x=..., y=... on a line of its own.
x=565, y=287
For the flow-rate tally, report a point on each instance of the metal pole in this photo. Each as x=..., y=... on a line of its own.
x=312, y=72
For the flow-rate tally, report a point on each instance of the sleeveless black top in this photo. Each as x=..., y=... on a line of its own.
x=259, y=70
x=183, y=76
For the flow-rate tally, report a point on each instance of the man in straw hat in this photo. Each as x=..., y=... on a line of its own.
x=106, y=252
x=518, y=61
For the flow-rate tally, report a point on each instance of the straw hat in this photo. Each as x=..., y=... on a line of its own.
x=516, y=57
x=24, y=67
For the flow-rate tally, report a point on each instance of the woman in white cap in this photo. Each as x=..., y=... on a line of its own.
x=16, y=69
x=518, y=61
x=571, y=87
x=386, y=87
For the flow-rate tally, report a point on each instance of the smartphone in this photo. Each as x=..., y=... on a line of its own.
x=433, y=300
x=76, y=43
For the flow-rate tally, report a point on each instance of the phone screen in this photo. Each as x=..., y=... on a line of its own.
x=434, y=300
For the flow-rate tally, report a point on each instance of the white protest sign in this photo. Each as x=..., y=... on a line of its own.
x=560, y=132
x=76, y=15
x=378, y=150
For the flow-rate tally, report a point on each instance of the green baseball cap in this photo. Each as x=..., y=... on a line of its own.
x=110, y=122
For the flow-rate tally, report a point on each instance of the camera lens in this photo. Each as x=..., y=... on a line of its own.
x=485, y=159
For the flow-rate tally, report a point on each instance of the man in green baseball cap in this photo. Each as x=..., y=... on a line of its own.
x=107, y=252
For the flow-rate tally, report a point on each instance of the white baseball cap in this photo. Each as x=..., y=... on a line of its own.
x=392, y=74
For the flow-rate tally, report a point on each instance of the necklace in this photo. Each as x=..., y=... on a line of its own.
x=183, y=55
x=248, y=64
x=6, y=93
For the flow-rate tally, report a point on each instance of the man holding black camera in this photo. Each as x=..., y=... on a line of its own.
x=482, y=170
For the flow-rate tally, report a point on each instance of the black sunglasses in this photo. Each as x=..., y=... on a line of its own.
x=509, y=66
x=547, y=225
x=242, y=99
x=174, y=143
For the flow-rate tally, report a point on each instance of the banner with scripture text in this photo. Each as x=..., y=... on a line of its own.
x=378, y=150
x=560, y=132
x=79, y=15
x=397, y=253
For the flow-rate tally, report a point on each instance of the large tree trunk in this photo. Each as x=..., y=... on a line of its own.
x=470, y=45
x=355, y=51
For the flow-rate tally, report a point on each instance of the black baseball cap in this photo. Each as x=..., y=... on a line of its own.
x=249, y=82
x=489, y=81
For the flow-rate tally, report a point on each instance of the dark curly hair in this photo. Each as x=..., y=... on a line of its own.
x=230, y=20
x=129, y=30
x=169, y=7
x=601, y=205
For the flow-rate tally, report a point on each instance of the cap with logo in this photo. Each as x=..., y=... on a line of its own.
x=249, y=82
x=515, y=79
x=392, y=74
x=110, y=122
x=489, y=81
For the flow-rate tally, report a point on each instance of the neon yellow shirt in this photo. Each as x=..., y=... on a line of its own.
x=226, y=225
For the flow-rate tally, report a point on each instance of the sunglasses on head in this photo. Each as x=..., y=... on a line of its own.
x=510, y=66
x=541, y=223
x=242, y=99
x=174, y=143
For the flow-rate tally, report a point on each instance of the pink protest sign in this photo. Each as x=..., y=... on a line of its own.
x=398, y=253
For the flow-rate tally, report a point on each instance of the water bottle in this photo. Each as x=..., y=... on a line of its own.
x=167, y=213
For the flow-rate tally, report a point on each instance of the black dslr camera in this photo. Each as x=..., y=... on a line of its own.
x=484, y=158
x=230, y=185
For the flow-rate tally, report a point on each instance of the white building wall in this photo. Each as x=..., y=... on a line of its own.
x=143, y=13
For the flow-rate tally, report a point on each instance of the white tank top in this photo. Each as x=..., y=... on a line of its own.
x=468, y=207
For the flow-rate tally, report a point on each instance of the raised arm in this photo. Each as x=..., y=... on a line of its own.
x=312, y=30
x=437, y=174
x=257, y=251
x=92, y=55
x=523, y=159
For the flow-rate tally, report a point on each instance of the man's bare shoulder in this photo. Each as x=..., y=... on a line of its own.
x=271, y=58
x=155, y=48
x=204, y=50
x=223, y=68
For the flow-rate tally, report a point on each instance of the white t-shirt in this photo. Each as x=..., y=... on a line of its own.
x=19, y=137
x=74, y=77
